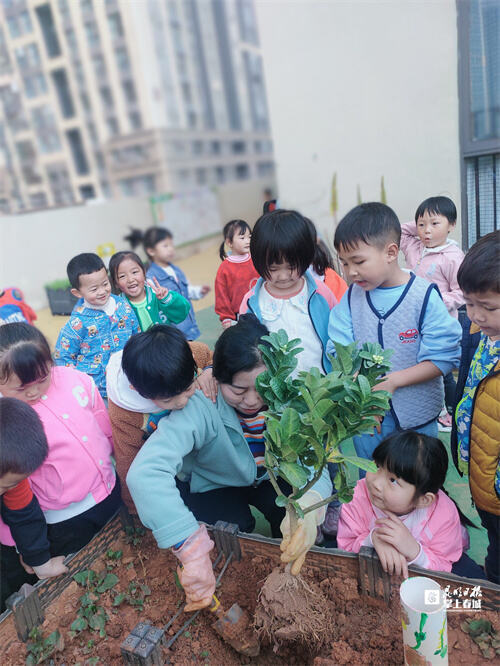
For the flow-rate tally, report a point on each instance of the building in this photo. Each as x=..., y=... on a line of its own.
x=105, y=98
x=403, y=89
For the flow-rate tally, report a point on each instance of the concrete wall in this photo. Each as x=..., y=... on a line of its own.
x=363, y=89
x=36, y=247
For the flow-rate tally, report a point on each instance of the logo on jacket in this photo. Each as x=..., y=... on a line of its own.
x=409, y=336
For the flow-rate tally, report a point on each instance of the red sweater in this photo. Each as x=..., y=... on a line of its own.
x=233, y=280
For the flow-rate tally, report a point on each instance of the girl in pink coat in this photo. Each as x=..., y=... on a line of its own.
x=402, y=511
x=76, y=485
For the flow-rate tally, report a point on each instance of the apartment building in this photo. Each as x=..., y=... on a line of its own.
x=108, y=98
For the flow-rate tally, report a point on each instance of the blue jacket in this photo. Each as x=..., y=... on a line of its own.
x=319, y=312
x=89, y=337
x=203, y=444
x=189, y=326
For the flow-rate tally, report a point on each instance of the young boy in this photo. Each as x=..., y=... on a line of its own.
x=475, y=438
x=402, y=312
x=159, y=246
x=100, y=324
x=23, y=449
x=431, y=254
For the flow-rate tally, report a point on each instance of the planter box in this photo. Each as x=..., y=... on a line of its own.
x=61, y=301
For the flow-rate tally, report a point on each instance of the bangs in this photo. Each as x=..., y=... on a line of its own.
x=399, y=455
x=28, y=361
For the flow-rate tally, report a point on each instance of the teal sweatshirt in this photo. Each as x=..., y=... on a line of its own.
x=203, y=443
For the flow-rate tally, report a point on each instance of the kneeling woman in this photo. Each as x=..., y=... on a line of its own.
x=216, y=451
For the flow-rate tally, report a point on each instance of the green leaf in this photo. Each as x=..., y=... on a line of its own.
x=109, y=581
x=296, y=475
x=120, y=598
x=363, y=463
x=364, y=385
x=97, y=621
x=281, y=500
x=290, y=424
x=84, y=577
x=80, y=624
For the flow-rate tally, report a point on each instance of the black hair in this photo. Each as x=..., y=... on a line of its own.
x=322, y=256
x=480, y=270
x=237, y=349
x=282, y=236
x=158, y=362
x=114, y=265
x=438, y=206
x=372, y=223
x=83, y=264
x=24, y=352
x=231, y=229
x=24, y=444
x=154, y=235
x=418, y=459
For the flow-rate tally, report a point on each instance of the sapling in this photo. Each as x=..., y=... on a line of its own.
x=307, y=419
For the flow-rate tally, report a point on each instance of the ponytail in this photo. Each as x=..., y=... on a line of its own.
x=222, y=250
x=322, y=258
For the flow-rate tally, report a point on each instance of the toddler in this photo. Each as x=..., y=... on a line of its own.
x=236, y=275
x=76, y=484
x=475, y=439
x=286, y=295
x=159, y=247
x=25, y=549
x=401, y=509
x=399, y=310
x=100, y=323
x=432, y=255
x=152, y=303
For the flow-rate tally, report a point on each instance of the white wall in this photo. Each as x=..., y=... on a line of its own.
x=363, y=89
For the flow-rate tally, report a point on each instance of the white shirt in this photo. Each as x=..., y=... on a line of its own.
x=292, y=315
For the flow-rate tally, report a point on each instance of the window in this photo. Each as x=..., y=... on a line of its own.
x=35, y=85
x=20, y=24
x=135, y=120
x=61, y=84
x=215, y=147
x=99, y=66
x=242, y=171
x=115, y=26
x=28, y=58
x=220, y=174
x=87, y=191
x=4, y=54
x=13, y=108
x=265, y=169
x=238, y=147
x=38, y=200
x=60, y=184
x=138, y=186
x=92, y=34
x=112, y=124
x=122, y=60
x=201, y=176
x=106, y=97
x=247, y=22
x=129, y=92
x=46, y=20
x=479, y=99
x=44, y=124
x=27, y=157
x=76, y=145
x=197, y=147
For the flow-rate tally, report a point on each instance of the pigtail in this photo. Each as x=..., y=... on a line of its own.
x=135, y=237
x=322, y=258
x=466, y=522
x=222, y=250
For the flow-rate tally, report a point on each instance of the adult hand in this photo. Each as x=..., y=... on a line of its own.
x=208, y=384
x=205, y=289
x=392, y=561
x=196, y=574
x=294, y=546
x=159, y=291
x=393, y=531
x=51, y=568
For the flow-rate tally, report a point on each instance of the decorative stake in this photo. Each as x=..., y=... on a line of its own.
x=27, y=609
x=142, y=647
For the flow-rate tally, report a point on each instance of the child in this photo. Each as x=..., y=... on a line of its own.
x=430, y=254
x=476, y=433
x=159, y=247
x=100, y=323
x=286, y=295
x=205, y=461
x=76, y=485
x=236, y=275
x=23, y=450
x=322, y=266
x=151, y=303
x=402, y=511
x=400, y=311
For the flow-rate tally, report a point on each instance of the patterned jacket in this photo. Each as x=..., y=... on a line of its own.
x=90, y=336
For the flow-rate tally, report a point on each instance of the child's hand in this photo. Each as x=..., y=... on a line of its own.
x=389, y=383
x=204, y=290
x=54, y=567
x=392, y=561
x=393, y=531
x=159, y=291
x=208, y=384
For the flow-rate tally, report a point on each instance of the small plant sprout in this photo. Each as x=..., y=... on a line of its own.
x=91, y=615
x=113, y=558
x=40, y=648
x=134, y=535
x=135, y=595
x=307, y=419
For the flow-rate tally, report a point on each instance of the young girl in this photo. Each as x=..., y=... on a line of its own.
x=159, y=247
x=286, y=295
x=322, y=266
x=76, y=485
x=237, y=274
x=151, y=303
x=402, y=511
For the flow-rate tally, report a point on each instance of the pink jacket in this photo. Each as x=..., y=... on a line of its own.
x=438, y=266
x=437, y=529
x=78, y=432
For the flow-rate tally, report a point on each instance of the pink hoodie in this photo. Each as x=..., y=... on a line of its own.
x=438, y=265
x=437, y=529
x=79, y=466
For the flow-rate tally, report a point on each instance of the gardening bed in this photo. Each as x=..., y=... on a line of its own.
x=364, y=629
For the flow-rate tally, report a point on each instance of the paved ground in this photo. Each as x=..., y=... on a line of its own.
x=201, y=269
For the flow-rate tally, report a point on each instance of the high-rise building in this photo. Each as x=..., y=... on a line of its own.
x=103, y=98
